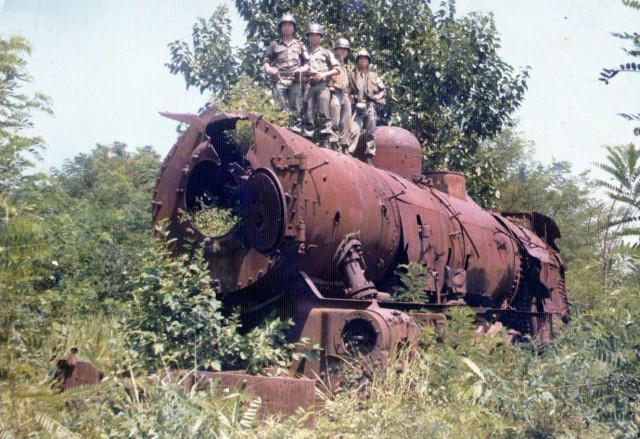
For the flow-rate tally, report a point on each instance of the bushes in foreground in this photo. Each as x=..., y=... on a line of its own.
x=585, y=384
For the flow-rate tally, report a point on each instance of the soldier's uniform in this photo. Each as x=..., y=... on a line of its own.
x=365, y=85
x=287, y=85
x=318, y=95
x=340, y=104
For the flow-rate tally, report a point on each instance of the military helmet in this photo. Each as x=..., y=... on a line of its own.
x=288, y=18
x=315, y=28
x=363, y=53
x=341, y=43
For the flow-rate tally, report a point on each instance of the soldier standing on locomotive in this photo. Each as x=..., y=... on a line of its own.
x=368, y=91
x=340, y=99
x=322, y=66
x=285, y=61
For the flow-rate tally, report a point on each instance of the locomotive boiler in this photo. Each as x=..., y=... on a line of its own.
x=319, y=235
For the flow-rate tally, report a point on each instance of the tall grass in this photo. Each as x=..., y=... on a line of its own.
x=584, y=385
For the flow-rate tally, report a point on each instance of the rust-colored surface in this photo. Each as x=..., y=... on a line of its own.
x=278, y=395
x=448, y=182
x=398, y=151
x=78, y=373
x=321, y=233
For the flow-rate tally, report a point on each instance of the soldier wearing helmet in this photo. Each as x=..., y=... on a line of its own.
x=340, y=104
x=368, y=91
x=321, y=67
x=284, y=61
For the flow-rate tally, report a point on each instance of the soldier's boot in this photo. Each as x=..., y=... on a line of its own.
x=295, y=124
x=325, y=141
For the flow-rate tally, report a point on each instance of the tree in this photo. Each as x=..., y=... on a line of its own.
x=554, y=191
x=446, y=81
x=97, y=212
x=24, y=252
x=623, y=167
x=16, y=148
x=628, y=67
x=211, y=64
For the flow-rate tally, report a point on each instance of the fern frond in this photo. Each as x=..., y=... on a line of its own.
x=249, y=417
x=54, y=427
x=4, y=434
x=629, y=232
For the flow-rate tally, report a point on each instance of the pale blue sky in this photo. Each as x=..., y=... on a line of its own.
x=102, y=62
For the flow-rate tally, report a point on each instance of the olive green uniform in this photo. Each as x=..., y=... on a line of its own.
x=287, y=87
x=341, y=107
x=365, y=86
x=317, y=95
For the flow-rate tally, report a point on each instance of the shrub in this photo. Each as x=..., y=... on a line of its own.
x=176, y=321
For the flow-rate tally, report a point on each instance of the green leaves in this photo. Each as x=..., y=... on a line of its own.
x=623, y=186
x=414, y=279
x=16, y=149
x=176, y=321
x=209, y=63
x=446, y=82
x=628, y=67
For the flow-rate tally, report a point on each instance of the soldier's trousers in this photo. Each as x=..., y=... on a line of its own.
x=365, y=125
x=288, y=96
x=341, y=119
x=316, y=101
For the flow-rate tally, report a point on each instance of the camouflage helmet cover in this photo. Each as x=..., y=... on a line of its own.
x=315, y=28
x=341, y=43
x=287, y=18
x=363, y=53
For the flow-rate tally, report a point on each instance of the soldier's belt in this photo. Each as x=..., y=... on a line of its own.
x=316, y=82
x=296, y=78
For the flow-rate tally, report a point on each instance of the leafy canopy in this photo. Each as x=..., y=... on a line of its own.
x=446, y=81
x=209, y=64
x=15, y=111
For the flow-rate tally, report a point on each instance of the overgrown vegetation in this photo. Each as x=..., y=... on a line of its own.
x=212, y=220
x=79, y=268
x=413, y=279
x=174, y=320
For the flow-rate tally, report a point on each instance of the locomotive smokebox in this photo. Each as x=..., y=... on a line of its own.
x=293, y=203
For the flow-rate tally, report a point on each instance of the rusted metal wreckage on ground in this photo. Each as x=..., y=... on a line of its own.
x=321, y=233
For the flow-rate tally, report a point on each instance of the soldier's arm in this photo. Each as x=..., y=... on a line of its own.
x=332, y=62
x=353, y=87
x=268, y=69
x=382, y=90
x=304, y=60
x=331, y=73
x=266, y=64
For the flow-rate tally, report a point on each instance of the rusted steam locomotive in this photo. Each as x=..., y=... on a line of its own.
x=320, y=235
